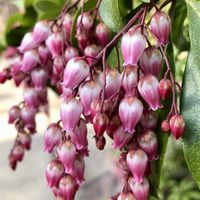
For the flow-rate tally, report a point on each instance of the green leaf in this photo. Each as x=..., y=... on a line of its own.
x=178, y=26
x=112, y=13
x=190, y=99
x=48, y=8
x=88, y=6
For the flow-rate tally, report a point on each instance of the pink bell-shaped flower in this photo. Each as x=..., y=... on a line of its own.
x=14, y=114
x=79, y=135
x=70, y=113
x=31, y=98
x=79, y=168
x=151, y=61
x=75, y=71
x=149, y=144
x=58, y=67
x=130, y=79
x=130, y=112
x=165, y=126
x=160, y=25
x=91, y=51
x=133, y=45
x=67, y=154
x=55, y=43
x=54, y=172
x=70, y=52
x=30, y=60
x=121, y=138
x=100, y=122
x=102, y=33
x=88, y=92
x=148, y=87
x=41, y=31
x=140, y=190
x=27, y=43
x=87, y=21
x=39, y=77
x=137, y=161
x=44, y=54
x=67, y=186
x=52, y=137
x=177, y=125
x=113, y=82
x=16, y=65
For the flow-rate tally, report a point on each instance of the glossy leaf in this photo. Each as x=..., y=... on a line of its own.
x=112, y=13
x=190, y=100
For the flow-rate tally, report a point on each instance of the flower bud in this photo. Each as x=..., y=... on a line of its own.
x=55, y=43
x=12, y=161
x=161, y=26
x=149, y=144
x=54, y=172
x=70, y=113
x=149, y=120
x=100, y=142
x=41, y=31
x=113, y=125
x=27, y=43
x=100, y=123
x=44, y=54
x=130, y=80
x=52, y=137
x=67, y=154
x=121, y=138
x=165, y=126
x=130, y=112
x=58, y=67
x=102, y=33
x=87, y=21
x=177, y=125
x=88, y=92
x=39, y=77
x=67, y=25
x=91, y=51
x=31, y=98
x=25, y=140
x=151, y=61
x=67, y=186
x=42, y=96
x=140, y=190
x=133, y=45
x=18, y=152
x=70, y=52
x=148, y=87
x=30, y=60
x=165, y=88
x=14, y=114
x=79, y=135
x=137, y=161
x=76, y=71
x=79, y=168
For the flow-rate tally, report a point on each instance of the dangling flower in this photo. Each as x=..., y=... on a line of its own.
x=148, y=87
x=130, y=112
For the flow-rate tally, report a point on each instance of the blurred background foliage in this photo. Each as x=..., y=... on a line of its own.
x=18, y=17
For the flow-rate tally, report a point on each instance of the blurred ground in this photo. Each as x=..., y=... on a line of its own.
x=28, y=181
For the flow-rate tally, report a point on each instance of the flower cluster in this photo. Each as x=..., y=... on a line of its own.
x=120, y=103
